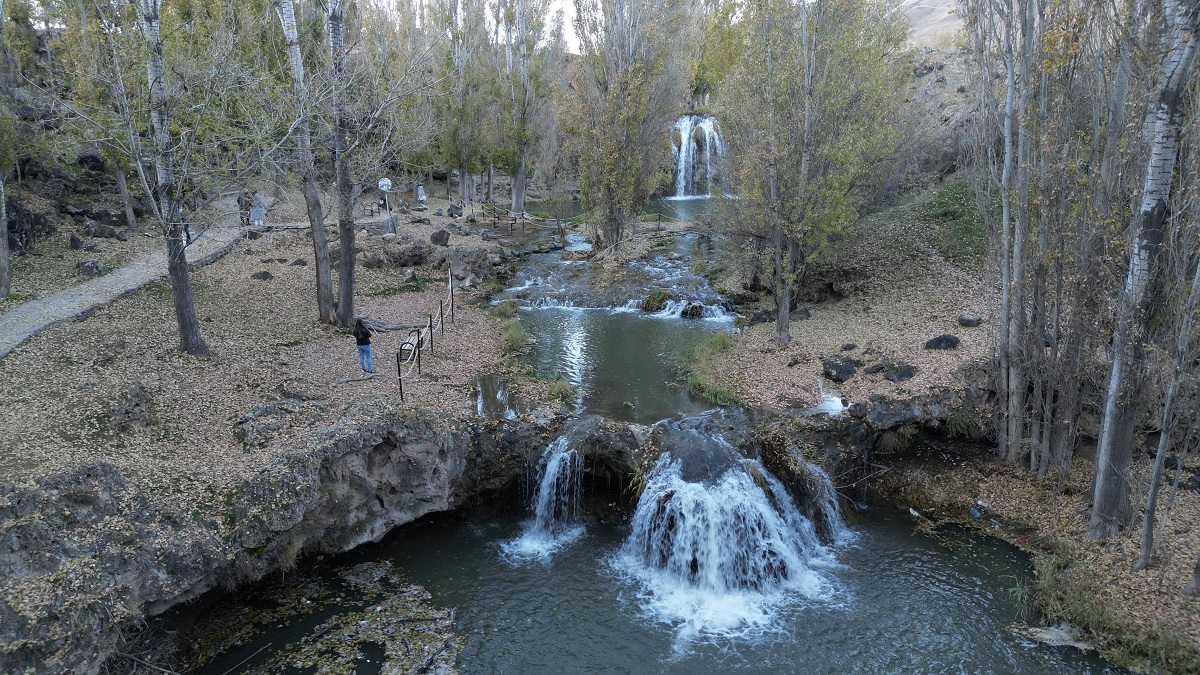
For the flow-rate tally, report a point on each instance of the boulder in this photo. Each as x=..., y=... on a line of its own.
x=849, y=346
x=78, y=244
x=693, y=310
x=77, y=209
x=946, y=341
x=440, y=238
x=92, y=268
x=838, y=368
x=874, y=368
x=96, y=229
x=454, y=211
x=25, y=228
x=969, y=321
x=262, y=276
x=123, y=235
x=91, y=161
x=899, y=372
x=410, y=276
x=299, y=262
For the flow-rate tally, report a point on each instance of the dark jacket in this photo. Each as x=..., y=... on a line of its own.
x=362, y=337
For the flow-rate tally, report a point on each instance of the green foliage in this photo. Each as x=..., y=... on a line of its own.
x=961, y=423
x=700, y=378
x=656, y=301
x=960, y=233
x=562, y=390
x=8, y=141
x=901, y=438
x=514, y=338
x=506, y=310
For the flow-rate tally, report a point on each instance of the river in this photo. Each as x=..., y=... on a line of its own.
x=718, y=569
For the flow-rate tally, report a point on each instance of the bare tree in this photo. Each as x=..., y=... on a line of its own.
x=1110, y=496
x=312, y=196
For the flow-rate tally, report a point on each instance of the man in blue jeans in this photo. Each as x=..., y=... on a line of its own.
x=362, y=337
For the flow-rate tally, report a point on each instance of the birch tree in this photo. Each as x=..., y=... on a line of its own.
x=8, y=157
x=1110, y=494
x=286, y=12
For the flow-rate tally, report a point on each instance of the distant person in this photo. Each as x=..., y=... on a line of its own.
x=258, y=210
x=421, y=195
x=244, y=202
x=383, y=201
x=362, y=338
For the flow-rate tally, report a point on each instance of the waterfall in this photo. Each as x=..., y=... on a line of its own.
x=555, y=505
x=721, y=554
x=699, y=155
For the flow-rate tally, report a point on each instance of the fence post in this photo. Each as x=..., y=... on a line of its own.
x=431, y=332
x=451, y=305
x=441, y=318
x=400, y=375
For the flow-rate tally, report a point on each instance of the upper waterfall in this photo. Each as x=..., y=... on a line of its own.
x=699, y=156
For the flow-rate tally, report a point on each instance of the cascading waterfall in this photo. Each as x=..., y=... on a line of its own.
x=719, y=556
x=555, y=505
x=699, y=155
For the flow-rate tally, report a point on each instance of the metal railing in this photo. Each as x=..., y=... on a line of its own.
x=408, y=358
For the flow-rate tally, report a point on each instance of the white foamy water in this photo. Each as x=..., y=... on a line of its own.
x=555, y=521
x=719, y=559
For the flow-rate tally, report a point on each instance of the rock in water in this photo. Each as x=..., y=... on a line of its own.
x=838, y=368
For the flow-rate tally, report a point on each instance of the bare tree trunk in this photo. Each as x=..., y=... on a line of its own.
x=491, y=177
x=123, y=188
x=312, y=196
x=341, y=164
x=1111, y=486
x=1193, y=587
x=518, y=181
x=5, y=254
x=166, y=200
x=1182, y=356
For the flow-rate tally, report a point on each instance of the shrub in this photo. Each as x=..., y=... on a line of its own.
x=562, y=390
x=505, y=310
x=514, y=338
x=656, y=301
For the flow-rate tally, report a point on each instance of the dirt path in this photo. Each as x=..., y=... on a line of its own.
x=30, y=318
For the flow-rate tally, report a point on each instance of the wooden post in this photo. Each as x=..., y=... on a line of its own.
x=431, y=332
x=451, y=305
x=400, y=375
x=441, y=319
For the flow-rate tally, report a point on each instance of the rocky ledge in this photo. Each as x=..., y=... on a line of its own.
x=85, y=553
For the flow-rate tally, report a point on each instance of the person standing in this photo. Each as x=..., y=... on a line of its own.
x=244, y=203
x=362, y=338
x=258, y=210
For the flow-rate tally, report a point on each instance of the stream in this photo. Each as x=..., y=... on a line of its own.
x=720, y=567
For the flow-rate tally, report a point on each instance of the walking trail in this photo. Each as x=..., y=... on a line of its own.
x=30, y=318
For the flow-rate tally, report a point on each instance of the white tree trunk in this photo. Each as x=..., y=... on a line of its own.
x=341, y=164
x=1110, y=494
x=166, y=200
x=286, y=11
x=5, y=254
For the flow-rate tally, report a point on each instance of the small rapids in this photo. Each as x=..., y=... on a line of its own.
x=717, y=553
x=555, y=521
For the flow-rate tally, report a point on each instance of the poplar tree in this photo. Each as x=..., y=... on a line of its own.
x=808, y=111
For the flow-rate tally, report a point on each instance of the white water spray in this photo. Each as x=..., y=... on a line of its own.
x=555, y=521
x=718, y=558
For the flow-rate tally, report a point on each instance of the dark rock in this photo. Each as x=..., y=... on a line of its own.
x=488, y=235
x=132, y=410
x=91, y=161
x=123, y=235
x=472, y=219
x=693, y=310
x=744, y=297
x=25, y=228
x=95, y=229
x=298, y=262
x=84, y=210
x=873, y=368
x=946, y=341
x=849, y=346
x=437, y=212
x=410, y=276
x=764, y=316
x=266, y=260
x=899, y=372
x=970, y=321
x=801, y=314
x=78, y=244
x=838, y=368
x=419, y=221
x=454, y=211
x=262, y=276
x=440, y=238
x=92, y=268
